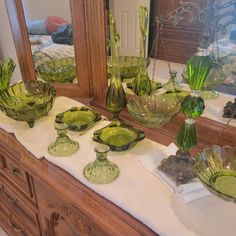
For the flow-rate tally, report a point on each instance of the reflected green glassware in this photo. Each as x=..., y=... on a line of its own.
x=7, y=67
x=101, y=171
x=192, y=106
x=118, y=136
x=63, y=146
x=58, y=70
x=186, y=137
x=216, y=169
x=198, y=68
x=27, y=101
x=116, y=98
x=142, y=83
x=172, y=85
x=79, y=118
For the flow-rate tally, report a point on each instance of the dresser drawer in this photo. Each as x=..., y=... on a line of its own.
x=16, y=202
x=13, y=171
x=13, y=222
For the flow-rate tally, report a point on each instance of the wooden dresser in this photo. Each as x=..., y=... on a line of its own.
x=179, y=42
x=38, y=198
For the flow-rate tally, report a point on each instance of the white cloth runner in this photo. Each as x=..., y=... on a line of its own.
x=186, y=192
x=136, y=190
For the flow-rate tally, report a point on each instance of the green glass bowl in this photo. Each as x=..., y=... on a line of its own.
x=59, y=70
x=79, y=118
x=128, y=66
x=118, y=136
x=27, y=101
x=216, y=169
x=155, y=110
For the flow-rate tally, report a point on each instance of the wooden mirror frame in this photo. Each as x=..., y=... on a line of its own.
x=90, y=42
x=87, y=51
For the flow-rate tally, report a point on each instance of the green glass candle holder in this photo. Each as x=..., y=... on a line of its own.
x=63, y=146
x=101, y=171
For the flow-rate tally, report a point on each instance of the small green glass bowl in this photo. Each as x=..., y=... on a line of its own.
x=59, y=70
x=216, y=169
x=79, y=118
x=128, y=66
x=27, y=101
x=155, y=110
x=118, y=136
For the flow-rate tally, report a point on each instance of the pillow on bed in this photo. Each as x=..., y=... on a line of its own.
x=53, y=22
x=37, y=27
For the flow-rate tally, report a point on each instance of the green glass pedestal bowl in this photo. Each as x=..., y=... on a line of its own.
x=58, y=70
x=129, y=66
x=153, y=111
x=27, y=101
x=216, y=169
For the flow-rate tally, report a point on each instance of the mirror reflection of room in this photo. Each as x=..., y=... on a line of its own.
x=177, y=43
x=50, y=35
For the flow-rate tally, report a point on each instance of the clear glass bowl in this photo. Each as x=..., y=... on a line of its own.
x=27, y=101
x=128, y=66
x=216, y=169
x=155, y=110
x=59, y=70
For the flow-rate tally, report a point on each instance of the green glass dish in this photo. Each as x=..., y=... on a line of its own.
x=58, y=70
x=118, y=136
x=27, y=101
x=101, y=171
x=154, y=85
x=79, y=118
x=216, y=169
x=129, y=66
x=155, y=110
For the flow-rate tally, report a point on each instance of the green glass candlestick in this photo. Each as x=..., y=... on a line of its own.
x=7, y=67
x=142, y=83
x=101, y=171
x=63, y=146
x=116, y=98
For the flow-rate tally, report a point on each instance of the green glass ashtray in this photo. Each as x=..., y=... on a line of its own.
x=129, y=66
x=154, y=110
x=216, y=169
x=118, y=136
x=79, y=118
x=58, y=70
x=27, y=101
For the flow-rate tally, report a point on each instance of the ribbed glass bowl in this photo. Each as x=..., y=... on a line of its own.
x=27, y=101
x=59, y=70
x=128, y=66
x=216, y=169
x=154, y=110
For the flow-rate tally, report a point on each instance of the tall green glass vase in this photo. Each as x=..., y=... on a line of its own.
x=116, y=98
x=142, y=83
x=180, y=166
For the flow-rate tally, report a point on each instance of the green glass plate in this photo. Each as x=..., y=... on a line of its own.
x=118, y=136
x=79, y=118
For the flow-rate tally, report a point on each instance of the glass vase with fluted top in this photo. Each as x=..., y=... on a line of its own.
x=116, y=98
x=142, y=83
x=180, y=166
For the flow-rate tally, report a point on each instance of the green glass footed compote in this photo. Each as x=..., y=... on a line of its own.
x=101, y=171
x=116, y=98
x=63, y=146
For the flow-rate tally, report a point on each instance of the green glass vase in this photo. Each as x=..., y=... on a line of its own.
x=116, y=98
x=7, y=67
x=101, y=171
x=63, y=146
x=142, y=83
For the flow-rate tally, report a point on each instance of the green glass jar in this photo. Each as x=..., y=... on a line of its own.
x=142, y=83
x=116, y=98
